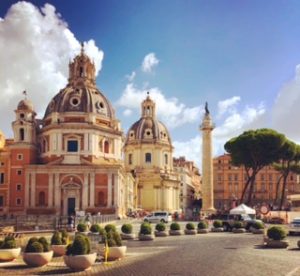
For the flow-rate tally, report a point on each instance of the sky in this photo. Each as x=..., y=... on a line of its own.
x=242, y=57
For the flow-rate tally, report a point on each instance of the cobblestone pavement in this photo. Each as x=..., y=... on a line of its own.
x=213, y=254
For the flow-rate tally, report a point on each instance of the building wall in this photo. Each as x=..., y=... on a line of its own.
x=229, y=182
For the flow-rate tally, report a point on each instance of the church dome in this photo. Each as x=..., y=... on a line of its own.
x=25, y=105
x=81, y=94
x=148, y=129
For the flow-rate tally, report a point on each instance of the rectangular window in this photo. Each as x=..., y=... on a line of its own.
x=19, y=172
x=72, y=146
x=19, y=187
x=229, y=177
x=236, y=177
x=1, y=201
x=130, y=159
x=270, y=177
x=20, y=157
x=262, y=177
x=2, y=178
x=19, y=201
x=148, y=157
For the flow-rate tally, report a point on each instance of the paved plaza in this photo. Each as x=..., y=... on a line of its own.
x=209, y=254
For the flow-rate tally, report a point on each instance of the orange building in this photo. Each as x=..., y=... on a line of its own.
x=71, y=159
x=229, y=182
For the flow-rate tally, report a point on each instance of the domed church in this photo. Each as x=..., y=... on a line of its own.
x=148, y=156
x=71, y=159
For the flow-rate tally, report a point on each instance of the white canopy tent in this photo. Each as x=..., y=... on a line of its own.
x=242, y=210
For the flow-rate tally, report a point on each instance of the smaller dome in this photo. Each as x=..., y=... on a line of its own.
x=25, y=105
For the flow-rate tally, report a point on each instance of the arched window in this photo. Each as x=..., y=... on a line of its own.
x=148, y=157
x=42, y=201
x=81, y=72
x=22, y=134
x=106, y=147
x=166, y=159
x=44, y=147
x=130, y=159
x=101, y=199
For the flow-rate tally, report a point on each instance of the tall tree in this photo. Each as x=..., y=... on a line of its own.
x=289, y=157
x=254, y=149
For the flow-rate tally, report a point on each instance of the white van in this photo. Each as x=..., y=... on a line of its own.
x=158, y=216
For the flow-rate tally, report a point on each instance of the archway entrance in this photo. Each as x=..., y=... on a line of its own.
x=71, y=192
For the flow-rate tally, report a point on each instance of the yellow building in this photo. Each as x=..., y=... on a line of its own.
x=148, y=155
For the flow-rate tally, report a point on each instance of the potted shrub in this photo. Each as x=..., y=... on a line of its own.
x=127, y=232
x=78, y=256
x=238, y=227
x=202, y=227
x=59, y=242
x=82, y=228
x=145, y=233
x=114, y=249
x=94, y=229
x=174, y=229
x=276, y=237
x=258, y=228
x=217, y=226
x=9, y=250
x=110, y=227
x=190, y=229
x=37, y=252
x=160, y=230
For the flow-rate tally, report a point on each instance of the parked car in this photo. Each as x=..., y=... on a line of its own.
x=158, y=216
x=276, y=220
x=294, y=226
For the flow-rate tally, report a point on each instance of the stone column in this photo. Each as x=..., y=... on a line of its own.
x=50, y=190
x=85, y=191
x=207, y=164
x=116, y=191
x=109, y=190
x=27, y=183
x=57, y=192
x=92, y=190
x=32, y=189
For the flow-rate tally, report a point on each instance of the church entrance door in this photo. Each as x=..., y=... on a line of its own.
x=71, y=205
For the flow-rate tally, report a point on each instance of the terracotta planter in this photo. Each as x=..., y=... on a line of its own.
x=80, y=262
x=59, y=250
x=219, y=229
x=175, y=232
x=238, y=230
x=125, y=236
x=160, y=233
x=277, y=244
x=202, y=231
x=115, y=253
x=190, y=231
x=37, y=259
x=143, y=237
x=8, y=255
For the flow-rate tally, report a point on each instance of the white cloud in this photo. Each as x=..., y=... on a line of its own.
x=35, y=49
x=227, y=105
x=170, y=110
x=131, y=77
x=231, y=125
x=286, y=109
x=127, y=112
x=149, y=62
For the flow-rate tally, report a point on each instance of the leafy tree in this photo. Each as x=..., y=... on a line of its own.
x=254, y=149
x=289, y=158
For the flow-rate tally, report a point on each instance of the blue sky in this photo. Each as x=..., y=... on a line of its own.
x=240, y=56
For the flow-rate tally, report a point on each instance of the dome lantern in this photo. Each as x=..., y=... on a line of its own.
x=148, y=107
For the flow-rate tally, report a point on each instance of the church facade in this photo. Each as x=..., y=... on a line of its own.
x=72, y=158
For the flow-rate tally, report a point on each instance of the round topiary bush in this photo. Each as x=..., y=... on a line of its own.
x=160, y=227
x=34, y=247
x=80, y=246
x=81, y=227
x=56, y=238
x=276, y=233
x=175, y=226
x=202, y=224
x=217, y=224
x=126, y=228
x=64, y=237
x=95, y=228
x=258, y=225
x=114, y=239
x=238, y=225
x=110, y=227
x=190, y=226
x=32, y=240
x=9, y=243
x=45, y=243
x=145, y=228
